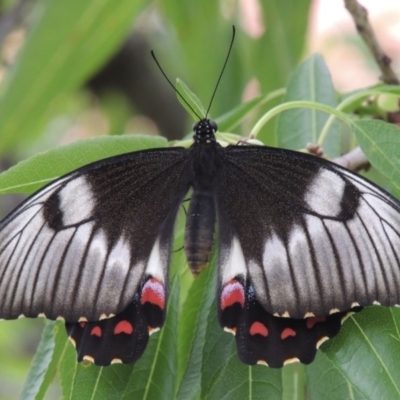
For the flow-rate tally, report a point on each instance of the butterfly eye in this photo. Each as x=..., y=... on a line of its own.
x=213, y=126
x=196, y=126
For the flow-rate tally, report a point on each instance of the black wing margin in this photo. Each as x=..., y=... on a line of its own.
x=79, y=248
x=312, y=238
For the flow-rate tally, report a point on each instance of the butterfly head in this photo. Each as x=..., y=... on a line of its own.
x=204, y=131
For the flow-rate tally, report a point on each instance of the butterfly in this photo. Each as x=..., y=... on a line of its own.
x=302, y=243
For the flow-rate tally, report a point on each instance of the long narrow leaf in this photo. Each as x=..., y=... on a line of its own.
x=68, y=41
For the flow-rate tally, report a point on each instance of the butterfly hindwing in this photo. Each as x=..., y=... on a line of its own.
x=122, y=338
x=263, y=338
x=79, y=248
x=310, y=236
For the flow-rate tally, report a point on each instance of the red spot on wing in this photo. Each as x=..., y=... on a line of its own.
x=313, y=320
x=287, y=332
x=123, y=327
x=232, y=292
x=96, y=331
x=153, y=292
x=258, y=329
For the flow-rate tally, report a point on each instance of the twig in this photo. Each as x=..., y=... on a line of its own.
x=360, y=17
x=354, y=160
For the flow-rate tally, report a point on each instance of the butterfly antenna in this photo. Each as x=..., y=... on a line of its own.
x=223, y=68
x=173, y=86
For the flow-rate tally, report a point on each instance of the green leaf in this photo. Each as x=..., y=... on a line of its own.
x=380, y=142
x=65, y=353
x=67, y=42
x=325, y=381
x=272, y=57
x=296, y=128
x=224, y=376
x=33, y=173
x=294, y=382
x=192, y=331
x=284, y=38
x=370, y=343
x=190, y=102
x=43, y=368
x=152, y=377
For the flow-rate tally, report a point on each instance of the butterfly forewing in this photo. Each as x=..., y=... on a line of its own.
x=79, y=247
x=311, y=237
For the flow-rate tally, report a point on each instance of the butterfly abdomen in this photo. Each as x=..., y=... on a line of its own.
x=199, y=230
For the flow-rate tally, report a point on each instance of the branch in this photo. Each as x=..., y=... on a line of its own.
x=364, y=28
x=354, y=160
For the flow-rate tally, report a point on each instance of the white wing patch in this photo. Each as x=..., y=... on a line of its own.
x=277, y=270
x=324, y=195
x=74, y=255
x=119, y=259
x=76, y=201
x=232, y=262
x=23, y=249
x=325, y=254
x=91, y=272
x=158, y=262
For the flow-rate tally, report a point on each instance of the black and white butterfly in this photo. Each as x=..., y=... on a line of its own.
x=302, y=243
